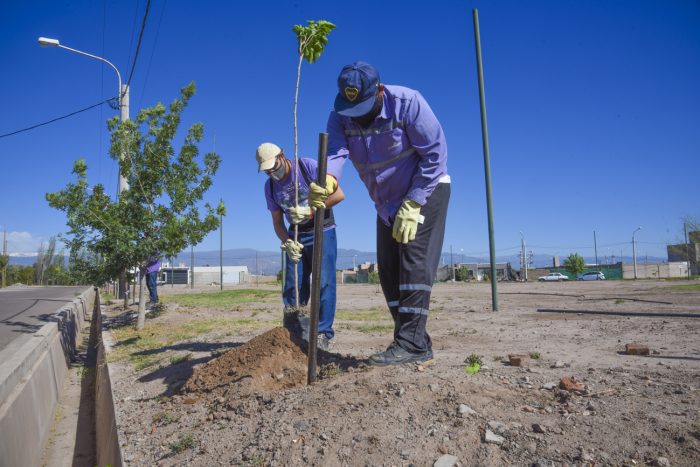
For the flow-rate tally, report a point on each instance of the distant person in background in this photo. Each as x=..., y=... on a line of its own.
x=280, y=198
x=399, y=150
x=151, y=271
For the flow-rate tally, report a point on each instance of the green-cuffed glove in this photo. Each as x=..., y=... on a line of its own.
x=293, y=249
x=300, y=214
x=406, y=221
x=318, y=194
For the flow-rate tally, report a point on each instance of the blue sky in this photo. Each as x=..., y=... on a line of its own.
x=593, y=109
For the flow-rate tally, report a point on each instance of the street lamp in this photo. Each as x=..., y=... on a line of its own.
x=123, y=95
x=634, y=252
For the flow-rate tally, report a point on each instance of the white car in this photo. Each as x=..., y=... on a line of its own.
x=553, y=276
x=591, y=276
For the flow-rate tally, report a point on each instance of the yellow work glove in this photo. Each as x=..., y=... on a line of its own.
x=293, y=250
x=318, y=194
x=300, y=214
x=406, y=221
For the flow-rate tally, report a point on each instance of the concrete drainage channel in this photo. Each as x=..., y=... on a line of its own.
x=32, y=381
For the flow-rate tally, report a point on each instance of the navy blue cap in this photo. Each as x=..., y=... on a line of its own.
x=358, y=84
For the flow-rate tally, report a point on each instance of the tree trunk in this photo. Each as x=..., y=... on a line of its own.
x=142, y=303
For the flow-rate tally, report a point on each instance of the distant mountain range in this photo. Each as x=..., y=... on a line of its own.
x=268, y=262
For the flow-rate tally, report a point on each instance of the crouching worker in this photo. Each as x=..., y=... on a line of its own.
x=280, y=197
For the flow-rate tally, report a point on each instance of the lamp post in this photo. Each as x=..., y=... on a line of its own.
x=123, y=95
x=123, y=102
x=634, y=252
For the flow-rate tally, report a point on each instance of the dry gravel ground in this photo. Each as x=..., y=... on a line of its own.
x=634, y=410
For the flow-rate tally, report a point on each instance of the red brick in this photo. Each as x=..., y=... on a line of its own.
x=518, y=359
x=570, y=384
x=636, y=349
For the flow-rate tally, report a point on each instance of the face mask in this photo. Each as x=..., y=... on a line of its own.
x=278, y=173
x=366, y=119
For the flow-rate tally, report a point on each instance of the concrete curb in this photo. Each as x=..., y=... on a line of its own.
x=108, y=450
x=32, y=372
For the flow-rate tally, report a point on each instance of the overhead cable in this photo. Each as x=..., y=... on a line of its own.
x=58, y=118
x=138, y=44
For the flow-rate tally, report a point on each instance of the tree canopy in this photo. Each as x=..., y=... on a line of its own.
x=575, y=264
x=160, y=213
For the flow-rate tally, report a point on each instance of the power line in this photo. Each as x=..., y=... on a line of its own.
x=138, y=44
x=150, y=61
x=58, y=118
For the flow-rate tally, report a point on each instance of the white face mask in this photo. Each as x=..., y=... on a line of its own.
x=278, y=173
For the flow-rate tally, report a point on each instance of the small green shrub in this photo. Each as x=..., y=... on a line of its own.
x=184, y=441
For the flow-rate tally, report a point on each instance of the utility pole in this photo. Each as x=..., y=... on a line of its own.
x=687, y=248
x=453, y=264
x=523, y=256
x=257, y=270
x=634, y=252
x=595, y=247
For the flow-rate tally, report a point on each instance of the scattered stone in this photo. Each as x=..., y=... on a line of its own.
x=301, y=425
x=445, y=460
x=662, y=462
x=401, y=392
x=491, y=437
x=537, y=428
x=528, y=409
x=591, y=406
x=443, y=449
x=559, y=364
x=636, y=349
x=405, y=455
x=498, y=427
x=549, y=386
x=570, y=384
x=465, y=410
x=433, y=387
x=518, y=359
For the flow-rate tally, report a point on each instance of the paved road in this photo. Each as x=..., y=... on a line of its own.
x=25, y=310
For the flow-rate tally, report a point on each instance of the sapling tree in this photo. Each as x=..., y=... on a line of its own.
x=575, y=264
x=311, y=42
x=159, y=214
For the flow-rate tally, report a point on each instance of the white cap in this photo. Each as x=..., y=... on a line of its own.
x=266, y=155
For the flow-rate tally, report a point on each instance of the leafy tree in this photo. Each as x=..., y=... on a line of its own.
x=311, y=41
x=575, y=264
x=462, y=273
x=373, y=277
x=160, y=213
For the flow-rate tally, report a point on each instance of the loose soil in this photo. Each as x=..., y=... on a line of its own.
x=240, y=398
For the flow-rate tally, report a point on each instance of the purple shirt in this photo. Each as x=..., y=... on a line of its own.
x=153, y=264
x=279, y=194
x=403, y=153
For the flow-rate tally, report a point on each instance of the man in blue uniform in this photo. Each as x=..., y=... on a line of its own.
x=280, y=198
x=399, y=150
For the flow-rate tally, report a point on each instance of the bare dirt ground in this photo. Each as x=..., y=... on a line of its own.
x=632, y=410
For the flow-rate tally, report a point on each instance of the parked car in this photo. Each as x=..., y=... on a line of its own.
x=591, y=276
x=553, y=276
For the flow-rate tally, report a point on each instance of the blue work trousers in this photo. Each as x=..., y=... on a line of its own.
x=328, y=259
x=152, y=284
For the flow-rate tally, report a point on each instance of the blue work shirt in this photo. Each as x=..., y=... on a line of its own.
x=402, y=154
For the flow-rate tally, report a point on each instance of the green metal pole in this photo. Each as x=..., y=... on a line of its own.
x=221, y=250
x=487, y=163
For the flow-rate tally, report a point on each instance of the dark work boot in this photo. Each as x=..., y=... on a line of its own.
x=395, y=355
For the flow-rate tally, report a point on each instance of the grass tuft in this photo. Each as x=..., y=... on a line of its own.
x=184, y=441
x=227, y=300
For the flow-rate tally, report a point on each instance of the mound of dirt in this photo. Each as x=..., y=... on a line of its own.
x=268, y=362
